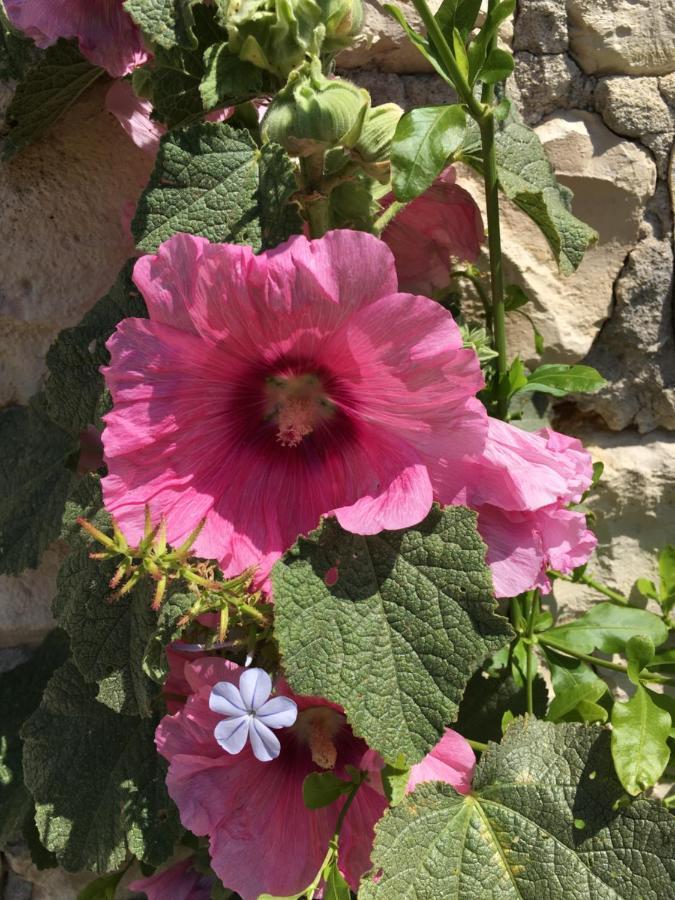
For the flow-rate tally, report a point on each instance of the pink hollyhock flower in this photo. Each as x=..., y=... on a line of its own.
x=266, y=391
x=262, y=838
x=444, y=223
x=106, y=34
x=134, y=115
x=520, y=486
x=452, y=761
x=178, y=882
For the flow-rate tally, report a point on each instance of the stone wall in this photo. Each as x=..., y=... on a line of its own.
x=597, y=80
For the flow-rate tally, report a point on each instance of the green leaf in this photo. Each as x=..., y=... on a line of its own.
x=34, y=484
x=395, y=781
x=647, y=588
x=539, y=825
x=424, y=140
x=169, y=23
x=639, y=653
x=49, y=89
x=320, y=789
x=420, y=43
x=517, y=377
x=497, y=67
x=514, y=298
x=167, y=630
x=559, y=380
x=227, y=79
x=207, y=181
x=103, y=888
x=667, y=573
x=279, y=216
x=75, y=391
x=20, y=693
x=17, y=52
x=336, y=888
x=108, y=637
x=607, y=627
x=172, y=79
x=487, y=698
x=97, y=780
x=390, y=626
x=480, y=46
x=459, y=14
x=526, y=177
x=577, y=689
x=640, y=731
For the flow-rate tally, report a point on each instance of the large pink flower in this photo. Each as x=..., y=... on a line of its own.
x=265, y=391
x=181, y=881
x=442, y=225
x=262, y=838
x=520, y=486
x=106, y=34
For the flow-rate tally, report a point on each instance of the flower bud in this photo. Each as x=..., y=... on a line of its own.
x=342, y=19
x=373, y=147
x=314, y=113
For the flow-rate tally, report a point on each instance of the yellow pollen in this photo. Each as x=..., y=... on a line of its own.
x=321, y=744
x=297, y=403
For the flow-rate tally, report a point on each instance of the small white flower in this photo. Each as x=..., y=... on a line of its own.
x=251, y=715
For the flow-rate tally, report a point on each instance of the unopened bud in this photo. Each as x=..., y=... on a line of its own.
x=342, y=20
x=373, y=147
x=314, y=113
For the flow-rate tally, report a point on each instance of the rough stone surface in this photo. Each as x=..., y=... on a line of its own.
x=406, y=90
x=633, y=106
x=25, y=602
x=612, y=180
x=636, y=349
x=541, y=26
x=62, y=239
x=628, y=37
x=547, y=83
x=634, y=507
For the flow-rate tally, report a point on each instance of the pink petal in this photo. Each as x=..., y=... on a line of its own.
x=106, y=33
x=452, y=761
x=178, y=882
x=133, y=114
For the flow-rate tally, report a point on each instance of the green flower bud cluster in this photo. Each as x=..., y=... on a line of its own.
x=279, y=35
x=373, y=148
x=314, y=113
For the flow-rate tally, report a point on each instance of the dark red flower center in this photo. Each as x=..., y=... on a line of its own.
x=297, y=403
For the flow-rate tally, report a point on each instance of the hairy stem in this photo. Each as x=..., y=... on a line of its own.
x=477, y=745
x=604, y=663
x=596, y=585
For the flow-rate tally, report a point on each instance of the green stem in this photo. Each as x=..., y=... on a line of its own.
x=596, y=585
x=531, y=670
x=477, y=745
x=447, y=58
x=488, y=90
x=604, y=663
x=390, y=212
x=482, y=294
x=491, y=180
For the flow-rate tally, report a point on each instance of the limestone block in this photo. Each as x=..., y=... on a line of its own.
x=634, y=506
x=545, y=84
x=25, y=601
x=541, y=26
x=62, y=238
x=630, y=37
x=612, y=180
x=633, y=106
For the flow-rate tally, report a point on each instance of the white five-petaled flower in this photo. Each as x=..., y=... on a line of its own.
x=251, y=715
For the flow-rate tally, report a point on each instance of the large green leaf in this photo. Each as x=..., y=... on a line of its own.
x=169, y=23
x=34, y=483
x=390, y=626
x=487, y=698
x=606, y=627
x=49, y=88
x=540, y=824
x=423, y=141
x=20, y=694
x=577, y=690
x=227, y=79
x=640, y=730
x=74, y=390
x=560, y=380
x=208, y=181
x=526, y=177
x=97, y=780
x=108, y=636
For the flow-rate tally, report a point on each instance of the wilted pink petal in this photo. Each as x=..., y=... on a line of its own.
x=452, y=761
x=180, y=881
x=442, y=225
x=106, y=34
x=266, y=391
x=262, y=838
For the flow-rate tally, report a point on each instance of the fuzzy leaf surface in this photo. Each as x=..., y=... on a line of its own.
x=74, y=390
x=212, y=180
x=34, y=484
x=390, y=626
x=97, y=780
x=169, y=23
x=20, y=694
x=108, y=636
x=48, y=90
x=17, y=52
x=539, y=825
